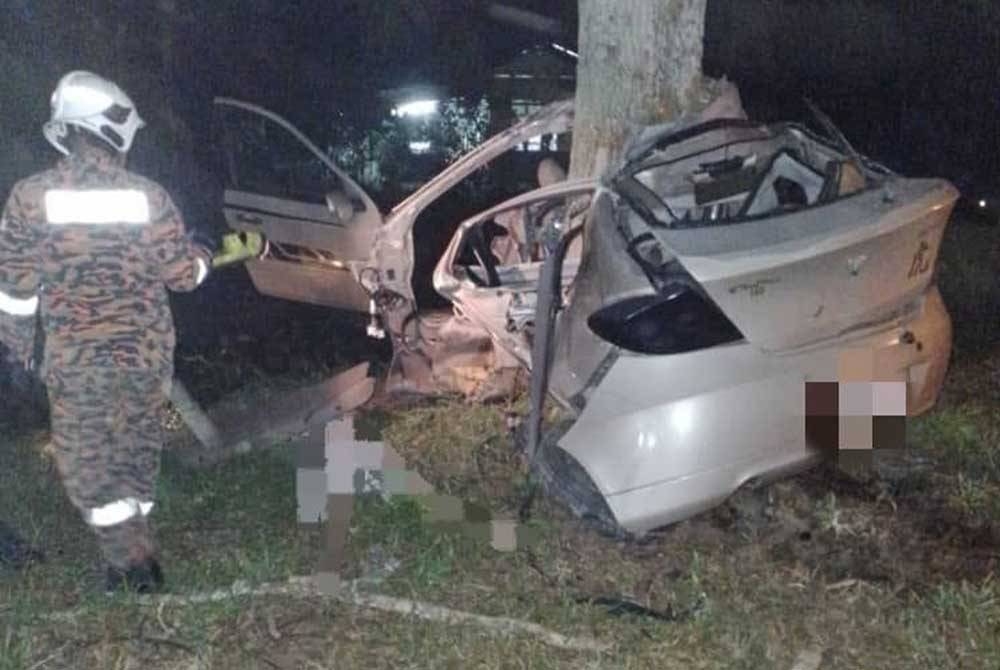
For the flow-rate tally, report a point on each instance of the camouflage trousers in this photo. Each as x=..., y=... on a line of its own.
x=107, y=438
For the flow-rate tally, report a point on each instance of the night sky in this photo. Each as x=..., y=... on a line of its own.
x=916, y=87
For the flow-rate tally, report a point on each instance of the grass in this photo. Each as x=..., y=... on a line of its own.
x=898, y=577
x=756, y=607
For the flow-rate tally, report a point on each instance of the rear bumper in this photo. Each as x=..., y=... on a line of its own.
x=665, y=437
x=932, y=334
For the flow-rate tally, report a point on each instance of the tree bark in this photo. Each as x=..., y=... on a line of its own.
x=640, y=63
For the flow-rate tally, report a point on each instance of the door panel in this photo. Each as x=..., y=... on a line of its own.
x=298, y=223
x=308, y=283
x=280, y=184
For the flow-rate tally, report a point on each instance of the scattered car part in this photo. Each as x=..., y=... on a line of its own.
x=242, y=422
x=200, y=423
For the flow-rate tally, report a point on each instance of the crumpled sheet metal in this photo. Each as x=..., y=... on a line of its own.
x=455, y=356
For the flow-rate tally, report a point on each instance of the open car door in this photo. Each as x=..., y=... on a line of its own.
x=318, y=223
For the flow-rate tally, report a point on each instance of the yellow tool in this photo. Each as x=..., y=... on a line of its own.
x=238, y=247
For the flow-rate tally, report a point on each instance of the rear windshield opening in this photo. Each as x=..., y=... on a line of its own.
x=743, y=180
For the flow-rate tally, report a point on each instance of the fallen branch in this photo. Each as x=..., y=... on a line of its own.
x=167, y=642
x=167, y=630
x=497, y=624
x=272, y=628
x=50, y=657
x=307, y=587
x=846, y=583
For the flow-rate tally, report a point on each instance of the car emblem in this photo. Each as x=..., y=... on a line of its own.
x=854, y=264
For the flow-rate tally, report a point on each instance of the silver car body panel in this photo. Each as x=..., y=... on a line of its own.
x=840, y=285
x=862, y=251
x=665, y=437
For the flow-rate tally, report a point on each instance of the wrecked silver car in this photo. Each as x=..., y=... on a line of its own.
x=683, y=311
x=729, y=270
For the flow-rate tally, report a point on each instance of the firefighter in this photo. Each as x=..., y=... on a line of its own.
x=91, y=249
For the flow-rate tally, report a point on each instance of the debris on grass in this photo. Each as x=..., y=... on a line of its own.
x=618, y=606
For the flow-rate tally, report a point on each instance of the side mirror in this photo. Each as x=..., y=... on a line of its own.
x=340, y=206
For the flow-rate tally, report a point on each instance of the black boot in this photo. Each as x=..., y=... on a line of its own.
x=145, y=577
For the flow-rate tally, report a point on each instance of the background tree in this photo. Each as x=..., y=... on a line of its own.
x=640, y=63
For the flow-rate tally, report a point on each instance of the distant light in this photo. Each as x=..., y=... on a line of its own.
x=420, y=147
x=982, y=204
x=416, y=108
x=532, y=144
x=559, y=47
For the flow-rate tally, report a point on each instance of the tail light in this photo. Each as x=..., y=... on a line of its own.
x=679, y=320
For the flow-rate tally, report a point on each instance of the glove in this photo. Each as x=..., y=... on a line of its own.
x=238, y=247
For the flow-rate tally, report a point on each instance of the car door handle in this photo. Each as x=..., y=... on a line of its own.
x=249, y=218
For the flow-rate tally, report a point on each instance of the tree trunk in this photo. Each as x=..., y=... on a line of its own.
x=640, y=63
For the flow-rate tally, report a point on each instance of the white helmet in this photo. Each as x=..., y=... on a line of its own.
x=90, y=102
